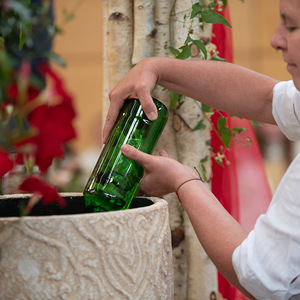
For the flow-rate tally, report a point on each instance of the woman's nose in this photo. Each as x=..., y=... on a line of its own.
x=278, y=40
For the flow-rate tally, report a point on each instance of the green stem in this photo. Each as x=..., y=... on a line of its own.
x=170, y=21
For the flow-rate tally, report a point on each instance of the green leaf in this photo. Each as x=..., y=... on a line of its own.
x=56, y=58
x=224, y=3
x=175, y=98
x=22, y=37
x=21, y=9
x=200, y=126
x=226, y=136
x=25, y=28
x=217, y=58
x=238, y=130
x=188, y=40
x=204, y=172
x=201, y=46
x=173, y=50
x=219, y=161
x=185, y=52
x=196, y=10
x=205, y=108
x=221, y=123
x=256, y=123
x=213, y=17
x=249, y=140
x=1, y=43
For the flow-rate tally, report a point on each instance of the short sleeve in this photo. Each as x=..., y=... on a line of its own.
x=267, y=263
x=286, y=109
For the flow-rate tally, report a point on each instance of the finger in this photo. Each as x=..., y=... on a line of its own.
x=135, y=154
x=111, y=118
x=163, y=153
x=148, y=107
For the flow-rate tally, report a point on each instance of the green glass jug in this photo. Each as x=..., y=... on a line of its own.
x=115, y=178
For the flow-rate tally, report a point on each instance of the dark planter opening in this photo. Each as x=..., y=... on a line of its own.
x=10, y=207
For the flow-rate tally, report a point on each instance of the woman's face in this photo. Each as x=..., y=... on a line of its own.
x=287, y=37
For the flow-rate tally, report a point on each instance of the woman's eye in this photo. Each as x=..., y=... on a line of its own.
x=290, y=28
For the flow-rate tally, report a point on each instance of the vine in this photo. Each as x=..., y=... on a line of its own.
x=209, y=14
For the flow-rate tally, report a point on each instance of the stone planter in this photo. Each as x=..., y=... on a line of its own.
x=111, y=255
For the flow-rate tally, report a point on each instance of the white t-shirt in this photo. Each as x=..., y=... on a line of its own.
x=267, y=263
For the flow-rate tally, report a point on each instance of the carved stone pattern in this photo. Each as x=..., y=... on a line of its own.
x=115, y=255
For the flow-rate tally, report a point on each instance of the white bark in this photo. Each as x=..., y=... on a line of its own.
x=192, y=147
x=144, y=30
x=126, y=43
x=120, y=39
x=117, y=44
x=105, y=63
x=168, y=142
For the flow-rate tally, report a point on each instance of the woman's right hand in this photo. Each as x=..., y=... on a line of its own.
x=138, y=83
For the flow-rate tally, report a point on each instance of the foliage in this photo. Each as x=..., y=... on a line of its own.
x=36, y=111
x=207, y=13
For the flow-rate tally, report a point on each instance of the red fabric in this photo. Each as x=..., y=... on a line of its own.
x=242, y=187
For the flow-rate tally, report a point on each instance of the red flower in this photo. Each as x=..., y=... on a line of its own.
x=12, y=92
x=49, y=194
x=53, y=121
x=6, y=164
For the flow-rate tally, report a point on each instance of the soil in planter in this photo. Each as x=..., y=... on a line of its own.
x=10, y=207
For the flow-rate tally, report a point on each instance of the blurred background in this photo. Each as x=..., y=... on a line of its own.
x=81, y=46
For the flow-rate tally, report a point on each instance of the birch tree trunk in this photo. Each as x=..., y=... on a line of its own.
x=117, y=44
x=135, y=30
x=144, y=30
x=168, y=142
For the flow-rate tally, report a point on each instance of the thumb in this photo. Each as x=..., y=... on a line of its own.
x=135, y=154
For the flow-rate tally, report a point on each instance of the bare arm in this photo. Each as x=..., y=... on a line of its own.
x=216, y=229
x=224, y=86
x=218, y=232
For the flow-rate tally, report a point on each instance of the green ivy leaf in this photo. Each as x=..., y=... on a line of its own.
x=256, y=123
x=174, y=98
x=249, y=140
x=221, y=123
x=201, y=46
x=188, y=40
x=206, y=108
x=185, y=52
x=238, y=130
x=210, y=16
x=173, y=50
x=226, y=136
x=200, y=126
x=196, y=10
x=219, y=162
x=204, y=172
x=217, y=58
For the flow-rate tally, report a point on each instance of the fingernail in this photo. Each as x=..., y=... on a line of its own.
x=152, y=116
x=124, y=148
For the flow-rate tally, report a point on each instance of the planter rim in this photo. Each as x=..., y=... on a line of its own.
x=157, y=202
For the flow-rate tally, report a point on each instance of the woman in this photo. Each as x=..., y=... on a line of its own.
x=265, y=263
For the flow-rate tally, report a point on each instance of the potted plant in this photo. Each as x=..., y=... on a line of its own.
x=50, y=247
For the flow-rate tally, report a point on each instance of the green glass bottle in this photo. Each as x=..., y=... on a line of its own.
x=115, y=178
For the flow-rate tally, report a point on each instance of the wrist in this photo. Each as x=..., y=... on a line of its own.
x=185, y=183
x=190, y=178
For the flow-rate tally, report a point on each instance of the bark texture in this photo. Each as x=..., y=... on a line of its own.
x=136, y=30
